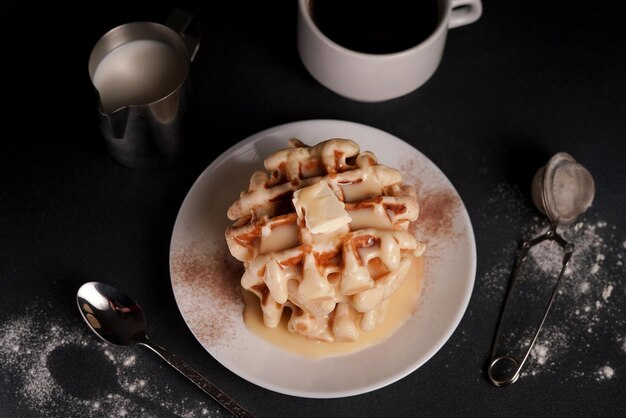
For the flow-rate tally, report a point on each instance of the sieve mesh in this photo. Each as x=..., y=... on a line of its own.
x=571, y=191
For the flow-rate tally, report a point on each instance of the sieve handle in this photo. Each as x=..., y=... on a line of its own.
x=568, y=249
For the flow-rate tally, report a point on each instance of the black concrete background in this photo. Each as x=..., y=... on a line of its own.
x=527, y=80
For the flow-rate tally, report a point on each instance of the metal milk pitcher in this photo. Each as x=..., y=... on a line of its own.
x=141, y=73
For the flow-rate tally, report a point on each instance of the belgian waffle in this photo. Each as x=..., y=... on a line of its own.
x=335, y=284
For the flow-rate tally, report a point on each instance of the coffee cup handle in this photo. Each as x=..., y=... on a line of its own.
x=179, y=22
x=464, y=12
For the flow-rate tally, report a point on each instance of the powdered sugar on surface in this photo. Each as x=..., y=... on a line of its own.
x=33, y=345
x=590, y=308
x=604, y=373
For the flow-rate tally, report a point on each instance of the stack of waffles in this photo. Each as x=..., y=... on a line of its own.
x=336, y=284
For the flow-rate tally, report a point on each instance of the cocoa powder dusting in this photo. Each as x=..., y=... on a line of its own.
x=207, y=288
x=438, y=207
x=437, y=213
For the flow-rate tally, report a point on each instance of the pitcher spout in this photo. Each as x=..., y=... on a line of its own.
x=116, y=121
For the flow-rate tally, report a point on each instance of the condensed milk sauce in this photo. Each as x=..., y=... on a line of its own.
x=402, y=304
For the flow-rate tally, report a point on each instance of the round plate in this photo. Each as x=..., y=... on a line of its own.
x=205, y=277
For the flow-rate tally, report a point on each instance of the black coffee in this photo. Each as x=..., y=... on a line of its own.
x=375, y=27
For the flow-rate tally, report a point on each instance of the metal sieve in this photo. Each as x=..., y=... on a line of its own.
x=562, y=190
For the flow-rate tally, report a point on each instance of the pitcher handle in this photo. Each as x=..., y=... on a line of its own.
x=179, y=22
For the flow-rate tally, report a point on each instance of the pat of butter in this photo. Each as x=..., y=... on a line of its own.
x=320, y=208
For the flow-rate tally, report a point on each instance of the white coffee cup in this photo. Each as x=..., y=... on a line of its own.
x=370, y=77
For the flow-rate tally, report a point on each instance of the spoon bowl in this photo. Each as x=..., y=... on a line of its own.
x=113, y=316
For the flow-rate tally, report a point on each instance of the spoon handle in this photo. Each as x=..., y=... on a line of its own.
x=206, y=386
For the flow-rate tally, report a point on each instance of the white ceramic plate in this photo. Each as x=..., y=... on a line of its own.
x=205, y=278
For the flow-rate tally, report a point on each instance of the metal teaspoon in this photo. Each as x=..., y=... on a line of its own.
x=119, y=320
